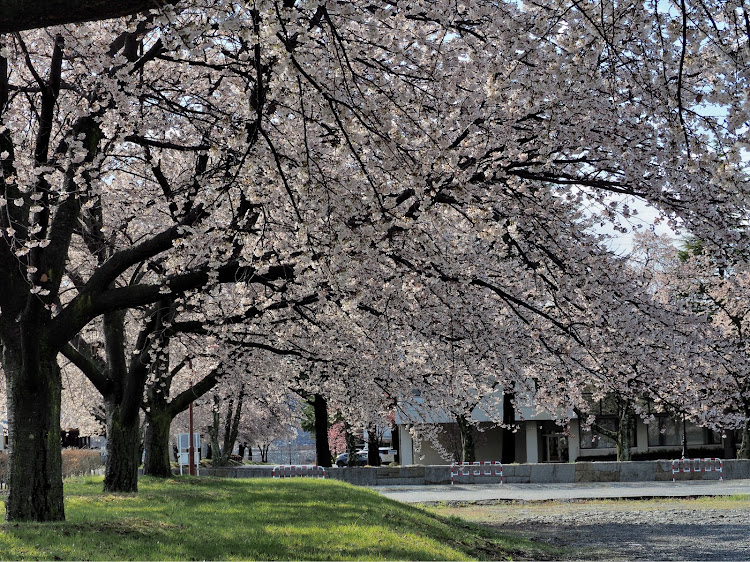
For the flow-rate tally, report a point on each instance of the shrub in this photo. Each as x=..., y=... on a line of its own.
x=80, y=462
x=75, y=462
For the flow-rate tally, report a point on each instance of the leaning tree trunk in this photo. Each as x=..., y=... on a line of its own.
x=33, y=401
x=123, y=450
x=322, y=447
x=156, y=444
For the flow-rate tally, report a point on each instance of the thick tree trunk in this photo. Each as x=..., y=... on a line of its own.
x=322, y=447
x=466, y=431
x=508, y=453
x=156, y=444
x=33, y=402
x=123, y=450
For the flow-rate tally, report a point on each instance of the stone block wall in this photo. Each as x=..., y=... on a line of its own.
x=546, y=473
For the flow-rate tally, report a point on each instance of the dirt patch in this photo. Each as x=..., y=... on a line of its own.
x=700, y=529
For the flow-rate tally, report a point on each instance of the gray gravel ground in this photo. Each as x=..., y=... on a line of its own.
x=628, y=530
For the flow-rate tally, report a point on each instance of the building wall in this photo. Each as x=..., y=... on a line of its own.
x=488, y=443
x=531, y=446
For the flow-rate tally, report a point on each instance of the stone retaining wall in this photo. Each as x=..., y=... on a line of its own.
x=635, y=471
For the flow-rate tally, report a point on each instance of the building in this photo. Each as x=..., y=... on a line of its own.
x=540, y=438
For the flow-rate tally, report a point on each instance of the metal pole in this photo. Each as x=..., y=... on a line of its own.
x=191, y=448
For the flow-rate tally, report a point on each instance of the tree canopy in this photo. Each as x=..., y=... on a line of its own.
x=394, y=195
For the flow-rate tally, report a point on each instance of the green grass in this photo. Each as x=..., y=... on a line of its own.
x=255, y=519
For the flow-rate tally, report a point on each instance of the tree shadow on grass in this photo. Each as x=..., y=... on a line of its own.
x=212, y=519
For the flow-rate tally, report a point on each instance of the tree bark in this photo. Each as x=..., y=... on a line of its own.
x=156, y=444
x=322, y=447
x=35, y=461
x=123, y=450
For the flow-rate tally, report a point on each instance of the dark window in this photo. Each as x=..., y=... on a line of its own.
x=591, y=439
x=667, y=432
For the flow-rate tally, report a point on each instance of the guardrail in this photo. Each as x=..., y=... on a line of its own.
x=486, y=468
x=697, y=465
x=298, y=471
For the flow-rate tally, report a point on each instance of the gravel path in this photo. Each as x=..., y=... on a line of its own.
x=628, y=530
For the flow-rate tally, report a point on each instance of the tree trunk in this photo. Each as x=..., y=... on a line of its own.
x=373, y=448
x=213, y=432
x=508, y=453
x=156, y=442
x=744, y=452
x=222, y=455
x=625, y=431
x=35, y=461
x=322, y=447
x=351, y=445
x=624, y=434
x=232, y=428
x=161, y=412
x=263, y=449
x=123, y=447
x=730, y=444
x=466, y=431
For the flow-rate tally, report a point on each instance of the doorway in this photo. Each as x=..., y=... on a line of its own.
x=554, y=443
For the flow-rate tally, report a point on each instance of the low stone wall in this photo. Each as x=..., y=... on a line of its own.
x=546, y=473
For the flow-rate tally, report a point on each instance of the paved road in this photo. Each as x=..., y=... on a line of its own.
x=543, y=492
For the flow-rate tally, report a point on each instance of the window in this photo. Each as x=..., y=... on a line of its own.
x=663, y=432
x=591, y=439
x=667, y=432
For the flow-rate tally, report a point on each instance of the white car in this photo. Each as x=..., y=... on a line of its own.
x=387, y=456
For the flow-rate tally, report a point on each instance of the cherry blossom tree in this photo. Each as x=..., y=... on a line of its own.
x=377, y=153
x=713, y=389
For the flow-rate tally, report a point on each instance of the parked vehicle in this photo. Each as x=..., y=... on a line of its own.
x=343, y=459
x=387, y=456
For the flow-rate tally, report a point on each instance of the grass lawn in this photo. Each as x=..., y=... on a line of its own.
x=192, y=518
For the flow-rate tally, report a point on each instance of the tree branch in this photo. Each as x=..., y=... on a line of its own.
x=91, y=303
x=87, y=362
x=19, y=15
x=180, y=402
